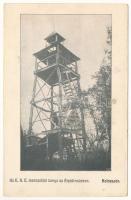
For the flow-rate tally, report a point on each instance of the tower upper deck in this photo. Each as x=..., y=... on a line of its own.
x=56, y=55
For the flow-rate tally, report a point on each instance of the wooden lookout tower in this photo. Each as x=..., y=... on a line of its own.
x=56, y=115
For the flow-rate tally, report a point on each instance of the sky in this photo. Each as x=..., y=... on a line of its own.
x=85, y=36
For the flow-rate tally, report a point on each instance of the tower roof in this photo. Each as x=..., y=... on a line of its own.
x=54, y=37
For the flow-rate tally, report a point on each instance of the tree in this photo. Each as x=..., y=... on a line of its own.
x=98, y=98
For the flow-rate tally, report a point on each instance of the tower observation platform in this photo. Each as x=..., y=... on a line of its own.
x=56, y=55
x=56, y=112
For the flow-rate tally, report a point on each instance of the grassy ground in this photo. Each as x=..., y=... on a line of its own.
x=94, y=161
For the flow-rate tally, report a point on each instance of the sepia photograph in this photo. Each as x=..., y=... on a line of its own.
x=65, y=92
